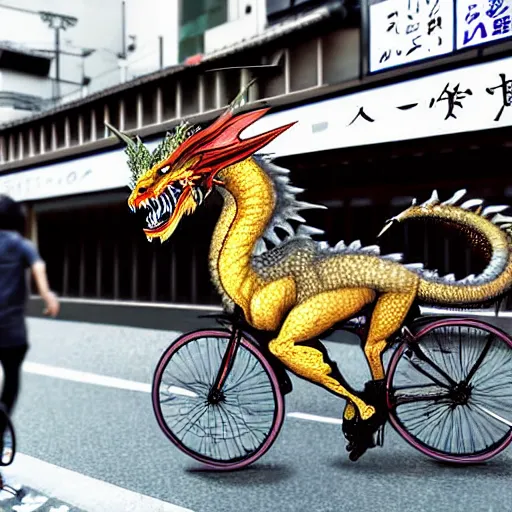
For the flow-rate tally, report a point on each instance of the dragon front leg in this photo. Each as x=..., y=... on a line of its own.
x=308, y=320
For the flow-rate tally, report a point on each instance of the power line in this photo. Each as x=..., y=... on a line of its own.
x=20, y=9
x=57, y=22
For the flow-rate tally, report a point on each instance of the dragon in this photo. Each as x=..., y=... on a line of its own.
x=264, y=261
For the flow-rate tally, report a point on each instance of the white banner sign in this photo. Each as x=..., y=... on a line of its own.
x=405, y=31
x=463, y=100
x=105, y=171
x=482, y=21
x=473, y=98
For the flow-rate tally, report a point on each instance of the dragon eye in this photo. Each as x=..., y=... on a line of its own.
x=163, y=170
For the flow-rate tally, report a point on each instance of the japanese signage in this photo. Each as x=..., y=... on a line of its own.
x=405, y=31
x=462, y=100
x=482, y=21
x=468, y=99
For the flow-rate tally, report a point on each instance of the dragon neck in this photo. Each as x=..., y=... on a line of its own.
x=249, y=200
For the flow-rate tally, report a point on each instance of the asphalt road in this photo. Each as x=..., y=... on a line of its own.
x=110, y=435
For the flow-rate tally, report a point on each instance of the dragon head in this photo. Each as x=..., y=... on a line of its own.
x=181, y=172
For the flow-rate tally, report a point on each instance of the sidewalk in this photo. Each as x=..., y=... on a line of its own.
x=31, y=500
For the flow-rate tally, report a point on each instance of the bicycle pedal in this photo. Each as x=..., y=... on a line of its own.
x=378, y=436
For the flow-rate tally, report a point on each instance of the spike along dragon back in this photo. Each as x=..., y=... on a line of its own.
x=293, y=285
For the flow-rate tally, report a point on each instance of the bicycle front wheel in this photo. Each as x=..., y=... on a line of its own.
x=450, y=391
x=237, y=430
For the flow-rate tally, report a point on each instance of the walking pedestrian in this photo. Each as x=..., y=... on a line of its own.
x=17, y=256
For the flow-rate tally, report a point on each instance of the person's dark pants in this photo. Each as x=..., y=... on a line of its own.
x=11, y=359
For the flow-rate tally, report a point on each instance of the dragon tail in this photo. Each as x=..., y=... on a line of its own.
x=487, y=230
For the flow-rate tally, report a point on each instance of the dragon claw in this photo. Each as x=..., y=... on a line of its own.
x=367, y=412
x=360, y=431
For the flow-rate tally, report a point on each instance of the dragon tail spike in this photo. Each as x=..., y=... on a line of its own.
x=500, y=219
x=456, y=197
x=434, y=199
x=493, y=209
x=467, y=205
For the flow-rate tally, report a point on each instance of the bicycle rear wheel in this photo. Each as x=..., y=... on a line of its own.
x=449, y=391
x=8, y=440
x=244, y=424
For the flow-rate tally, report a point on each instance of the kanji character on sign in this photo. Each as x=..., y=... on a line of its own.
x=392, y=24
x=453, y=98
x=362, y=114
x=435, y=8
x=495, y=8
x=506, y=94
x=415, y=45
x=407, y=107
x=501, y=25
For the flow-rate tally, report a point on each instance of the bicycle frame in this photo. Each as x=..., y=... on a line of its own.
x=238, y=327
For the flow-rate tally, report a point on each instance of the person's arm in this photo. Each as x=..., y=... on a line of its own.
x=39, y=272
x=37, y=265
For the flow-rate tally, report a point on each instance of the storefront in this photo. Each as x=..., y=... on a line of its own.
x=365, y=155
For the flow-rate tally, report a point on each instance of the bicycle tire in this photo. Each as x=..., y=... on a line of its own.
x=248, y=353
x=8, y=443
x=416, y=434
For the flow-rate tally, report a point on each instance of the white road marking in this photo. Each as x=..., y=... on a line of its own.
x=314, y=417
x=80, y=490
x=130, y=385
x=85, y=377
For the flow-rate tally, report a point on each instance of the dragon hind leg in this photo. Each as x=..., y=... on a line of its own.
x=308, y=320
x=388, y=316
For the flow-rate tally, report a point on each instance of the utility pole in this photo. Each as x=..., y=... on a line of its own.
x=161, y=51
x=58, y=22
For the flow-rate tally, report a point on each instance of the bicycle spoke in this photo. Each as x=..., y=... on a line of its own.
x=231, y=429
x=422, y=357
x=478, y=362
x=471, y=416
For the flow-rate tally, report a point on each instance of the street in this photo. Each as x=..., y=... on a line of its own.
x=93, y=442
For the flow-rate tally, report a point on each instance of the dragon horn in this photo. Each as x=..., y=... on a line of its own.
x=239, y=100
x=121, y=136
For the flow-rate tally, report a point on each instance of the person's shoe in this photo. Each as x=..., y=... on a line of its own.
x=17, y=490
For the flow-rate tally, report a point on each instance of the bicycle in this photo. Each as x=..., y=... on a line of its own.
x=445, y=389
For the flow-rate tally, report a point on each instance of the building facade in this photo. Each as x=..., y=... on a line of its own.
x=376, y=127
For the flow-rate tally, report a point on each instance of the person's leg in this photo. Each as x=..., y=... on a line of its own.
x=11, y=359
